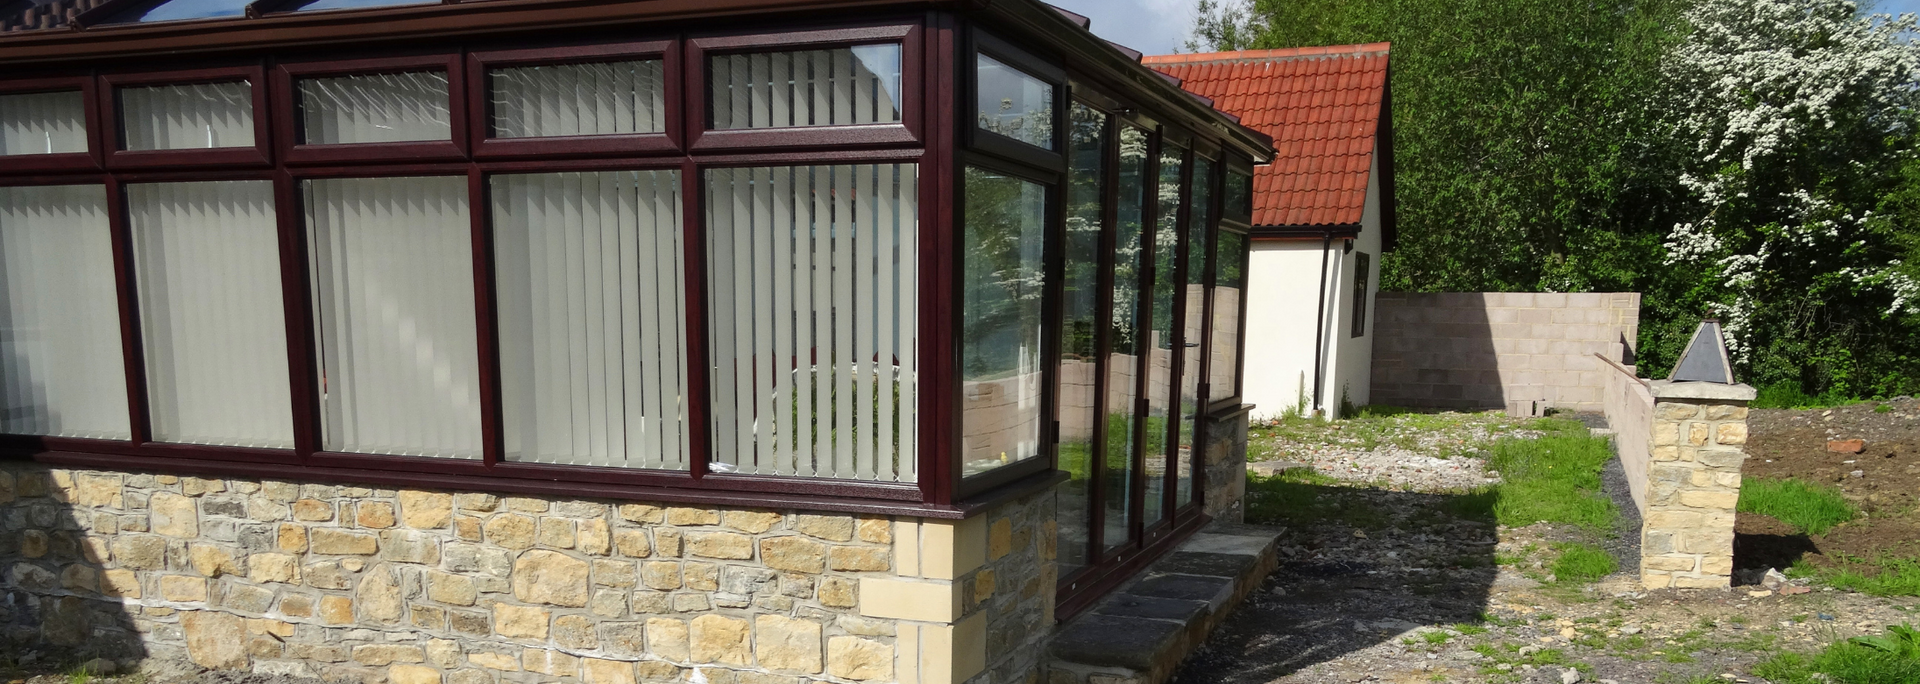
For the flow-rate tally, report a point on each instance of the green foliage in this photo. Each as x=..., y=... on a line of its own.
x=1885, y=576
x=1554, y=479
x=1790, y=395
x=1893, y=658
x=1582, y=563
x=1810, y=508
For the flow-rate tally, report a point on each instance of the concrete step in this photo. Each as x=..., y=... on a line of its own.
x=1141, y=632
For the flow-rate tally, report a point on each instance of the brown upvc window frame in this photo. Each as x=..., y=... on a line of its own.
x=696, y=81
x=112, y=126
x=479, y=96
x=1240, y=223
x=975, y=138
x=286, y=97
x=60, y=162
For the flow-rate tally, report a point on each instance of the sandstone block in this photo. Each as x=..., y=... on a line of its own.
x=173, y=515
x=379, y=595
x=599, y=671
x=334, y=542
x=214, y=640
x=667, y=542
x=720, y=639
x=293, y=538
x=450, y=588
x=594, y=537
x=857, y=658
x=692, y=516
x=1675, y=411
x=495, y=661
x=1710, y=499
x=1722, y=458
x=549, y=577
x=409, y=547
x=1670, y=563
x=139, y=552
x=211, y=561
x=876, y=530
x=668, y=638
x=388, y=654
x=120, y=582
x=510, y=531
x=859, y=558
x=478, y=503
x=999, y=539
x=661, y=575
x=1696, y=433
x=520, y=621
x=550, y=662
x=273, y=567
x=839, y=592
x=722, y=545
x=624, y=638
x=614, y=573
x=750, y=522
x=642, y=513
x=1730, y=434
x=829, y=527
x=336, y=610
x=1666, y=433
x=556, y=533
x=787, y=645
x=633, y=543
x=794, y=554
x=413, y=674
x=376, y=515
x=425, y=510
x=80, y=578
x=575, y=631
x=312, y=510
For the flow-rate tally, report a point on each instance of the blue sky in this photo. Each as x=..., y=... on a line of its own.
x=1158, y=27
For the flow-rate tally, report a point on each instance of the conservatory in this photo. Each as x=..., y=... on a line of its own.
x=832, y=338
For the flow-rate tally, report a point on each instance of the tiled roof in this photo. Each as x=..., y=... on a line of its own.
x=1322, y=107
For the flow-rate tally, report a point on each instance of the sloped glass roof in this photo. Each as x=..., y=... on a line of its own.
x=174, y=10
x=310, y=5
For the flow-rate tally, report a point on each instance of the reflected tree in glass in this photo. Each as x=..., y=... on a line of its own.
x=1002, y=287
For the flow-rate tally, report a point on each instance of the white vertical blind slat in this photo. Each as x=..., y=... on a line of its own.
x=42, y=123
x=61, y=369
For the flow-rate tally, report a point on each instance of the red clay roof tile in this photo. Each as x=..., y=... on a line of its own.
x=1322, y=107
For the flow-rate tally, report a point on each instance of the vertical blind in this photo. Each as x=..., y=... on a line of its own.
x=592, y=318
x=207, y=259
x=838, y=87
x=608, y=98
x=190, y=116
x=393, y=297
x=375, y=108
x=812, y=291
x=43, y=123
x=61, y=368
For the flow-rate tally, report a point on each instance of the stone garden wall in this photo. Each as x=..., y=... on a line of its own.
x=1698, y=439
x=434, y=587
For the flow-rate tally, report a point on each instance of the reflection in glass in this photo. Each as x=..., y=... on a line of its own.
x=206, y=258
x=604, y=98
x=592, y=318
x=1003, y=281
x=812, y=330
x=1123, y=359
x=348, y=4
x=175, y=10
x=1013, y=103
x=61, y=369
x=392, y=278
x=375, y=108
x=187, y=116
x=43, y=123
x=1079, y=320
x=1223, y=369
x=1238, y=198
x=837, y=87
x=1199, y=223
x=1162, y=423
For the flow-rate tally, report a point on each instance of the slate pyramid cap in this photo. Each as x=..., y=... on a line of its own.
x=1705, y=359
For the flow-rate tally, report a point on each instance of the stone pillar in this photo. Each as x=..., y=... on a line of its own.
x=1698, y=438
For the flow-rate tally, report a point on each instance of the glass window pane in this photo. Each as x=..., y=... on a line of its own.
x=1239, y=194
x=1003, y=282
x=1013, y=103
x=207, y=257
x=606, y=98
x=837, y=87
x=43, y=123
x=1080, y=318
x=1123, y=360
x=188, y=116
x=1199, y=224
x=174, y=10
x=592, y=318
x=1362, y=285
x=392, y=263
x=810, y=271
x=1162, y=427
x=374, y=108
x=1223, y=370
x=61, y=368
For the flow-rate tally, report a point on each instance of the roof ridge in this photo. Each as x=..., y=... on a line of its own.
x=1281, y=54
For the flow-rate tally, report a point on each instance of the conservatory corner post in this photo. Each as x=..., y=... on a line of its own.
x=1698, y=440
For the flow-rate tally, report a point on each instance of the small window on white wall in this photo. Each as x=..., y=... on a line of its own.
x=187, y=117
x=392, y=263
x=1362, y=274
x=207, y=256
x=43, y=123
x=61, y=369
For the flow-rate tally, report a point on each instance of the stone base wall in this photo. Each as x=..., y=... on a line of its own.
x=434, y=587
x=1226, y=468
x=1698, y=437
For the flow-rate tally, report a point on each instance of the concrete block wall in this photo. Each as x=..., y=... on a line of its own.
x=1519, y=351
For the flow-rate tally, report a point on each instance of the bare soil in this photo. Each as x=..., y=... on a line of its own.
x=1883, y=481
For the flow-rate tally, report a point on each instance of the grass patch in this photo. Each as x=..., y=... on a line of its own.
x=1893, y=658
x=1582, y=563
x=1808, y=507
x=1789, y=395
x=1883, y=576
x=1554, y=478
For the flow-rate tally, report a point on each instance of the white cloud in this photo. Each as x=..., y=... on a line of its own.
x=1155, y=27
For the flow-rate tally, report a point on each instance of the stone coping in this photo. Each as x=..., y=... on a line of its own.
x=1142, y=631
x=1668, y=389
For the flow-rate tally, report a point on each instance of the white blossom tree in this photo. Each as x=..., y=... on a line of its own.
x=1797, y=120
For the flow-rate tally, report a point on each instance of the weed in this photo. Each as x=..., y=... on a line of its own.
x=1555, y=478
x=1880, y=659
x=1883, y=408
x=1808, y=507
x=1436, y=637
x=1880, y=577
x=1581, y=563
x=79, y=675
x=1469, y=629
